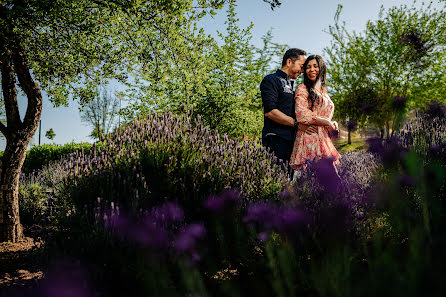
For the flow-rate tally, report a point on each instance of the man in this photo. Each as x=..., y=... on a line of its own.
x=280, y=123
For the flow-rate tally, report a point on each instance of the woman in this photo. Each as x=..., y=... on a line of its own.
x=314, y=107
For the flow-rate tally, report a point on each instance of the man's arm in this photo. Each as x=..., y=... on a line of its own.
x=280, y=118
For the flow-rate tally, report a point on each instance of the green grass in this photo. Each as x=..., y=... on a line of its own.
x=358, y=144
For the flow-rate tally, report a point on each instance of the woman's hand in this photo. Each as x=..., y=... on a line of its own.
x=332, y=126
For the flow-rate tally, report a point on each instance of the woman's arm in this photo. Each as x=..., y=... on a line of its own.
x=303, y=113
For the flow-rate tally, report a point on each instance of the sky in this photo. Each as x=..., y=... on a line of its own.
x=297, y=23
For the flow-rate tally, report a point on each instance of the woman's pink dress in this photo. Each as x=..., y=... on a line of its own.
x=308, y=147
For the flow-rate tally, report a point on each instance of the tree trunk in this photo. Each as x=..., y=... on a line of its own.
x=18, y=133
x=349, y=133
x=13, y=158
x=388, y=130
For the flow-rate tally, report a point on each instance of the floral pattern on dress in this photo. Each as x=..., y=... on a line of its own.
x=315, y=146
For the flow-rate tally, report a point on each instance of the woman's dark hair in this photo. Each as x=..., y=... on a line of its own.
x=320, y=78
x=293, y=54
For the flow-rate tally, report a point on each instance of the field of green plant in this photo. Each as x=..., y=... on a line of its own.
x=167, y=207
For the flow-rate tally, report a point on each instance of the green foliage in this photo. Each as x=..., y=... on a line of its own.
x=101, y=112
x=393, y=247
x=168, y=157
x=33, y=203
x=41, y=155
x=219, y=80
x=399, y=55
x=273, y=3
x=73, y=45
x=50, y=134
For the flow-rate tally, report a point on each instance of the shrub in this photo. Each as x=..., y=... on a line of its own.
x=164, y=157
x=40, y=155
x=33, y=203
x=425, y=131
x=142, y=198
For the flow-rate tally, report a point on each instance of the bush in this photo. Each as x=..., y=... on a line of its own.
x=142, y=199
x=40, y=155
x=164, y=157
x=426, y=131
x=33, y=203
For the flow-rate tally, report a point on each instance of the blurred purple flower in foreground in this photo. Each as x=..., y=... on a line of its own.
x=351, y=125
x=326, y=174
x=367, y=108
x=270, y=217
x=263, y=213
x=436, y=110
x=152, y=229
x=333, y=134
x=224, y=202
x=166, y=214
x=390, y=150
x=399, y=103
x=186, y=239
x=64, y=279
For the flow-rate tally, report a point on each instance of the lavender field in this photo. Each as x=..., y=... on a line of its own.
x=167, y=207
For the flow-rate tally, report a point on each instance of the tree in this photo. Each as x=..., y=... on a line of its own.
x=223, y=87
x=100, y=113
x=273, y=3
x=50, y=134
x=401, y=55
x=69, y=47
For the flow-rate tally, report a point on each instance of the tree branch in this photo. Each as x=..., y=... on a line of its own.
x=30, y=88
x=3, y=129
x=10, y=92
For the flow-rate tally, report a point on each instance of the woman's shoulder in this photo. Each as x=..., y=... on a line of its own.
x=302, y=88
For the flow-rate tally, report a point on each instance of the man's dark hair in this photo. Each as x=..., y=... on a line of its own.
x=293, y=54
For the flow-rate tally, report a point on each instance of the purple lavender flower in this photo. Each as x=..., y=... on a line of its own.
x=375, y=145
x=436, y=110
x=65, y=279
x=335, y=218
x=270, y=217
x=399, y=103
x=333, y=134
x=326, y=174
x=351, y=125
x=290, y=219
x=406, y=180
x=367, y=108
x=167, y=214
x=263, y=213
x=224, y=202
x=263, y=236
x=147, y=233
x=390, y=150
x=286, y=195
x=186, y=239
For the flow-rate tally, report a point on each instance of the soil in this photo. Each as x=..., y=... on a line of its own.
x=21, y=264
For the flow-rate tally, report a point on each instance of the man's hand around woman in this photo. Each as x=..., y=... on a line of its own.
x=308, y=129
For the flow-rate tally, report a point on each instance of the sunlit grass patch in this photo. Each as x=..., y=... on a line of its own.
x=358, y=144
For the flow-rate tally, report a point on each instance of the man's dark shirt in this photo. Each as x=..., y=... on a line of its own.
x=277, y=93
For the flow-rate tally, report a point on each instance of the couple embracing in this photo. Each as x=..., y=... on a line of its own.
x=298, y=121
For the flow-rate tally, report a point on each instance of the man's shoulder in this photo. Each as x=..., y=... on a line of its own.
x=271, y=76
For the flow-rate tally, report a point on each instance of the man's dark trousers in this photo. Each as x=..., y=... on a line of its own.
x=282, y=148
